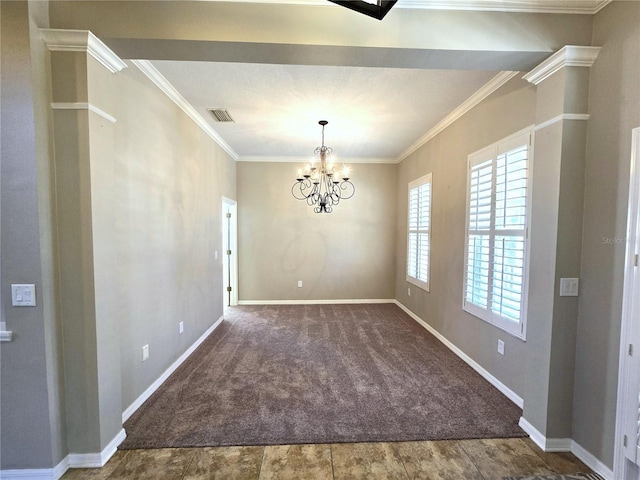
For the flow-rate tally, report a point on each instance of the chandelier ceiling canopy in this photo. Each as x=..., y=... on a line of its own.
x=322, y=185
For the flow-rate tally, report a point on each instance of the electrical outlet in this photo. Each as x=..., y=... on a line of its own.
x=409, y=291
x=500, y=347
x=181, y=327
x=215, y=255
x=299, y=283
x=145, y=352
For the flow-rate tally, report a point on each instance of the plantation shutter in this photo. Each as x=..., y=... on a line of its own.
x=479, y=233
x=510, y=212
x=495, y=263
x=419, y=223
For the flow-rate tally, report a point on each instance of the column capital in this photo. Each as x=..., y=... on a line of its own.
x=567, y=56
x=58, y=40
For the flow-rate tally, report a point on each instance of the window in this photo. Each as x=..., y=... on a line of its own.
x=419, y=241
x=496, y=256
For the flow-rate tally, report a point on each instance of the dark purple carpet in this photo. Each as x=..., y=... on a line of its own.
x=289, y=374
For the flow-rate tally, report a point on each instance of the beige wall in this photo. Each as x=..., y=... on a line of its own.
x=348, y=254
x=508, y=110
x=31, y=391
x=614, y=105
x=156, y=182
x=157, y=223
x=139, y=216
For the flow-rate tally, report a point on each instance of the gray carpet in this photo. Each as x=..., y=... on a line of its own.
x=288, y=374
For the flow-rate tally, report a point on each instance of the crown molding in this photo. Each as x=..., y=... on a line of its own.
x=170, y=91
x=82, y=41
x=484, y=91
x=302, y=159
x=567, y=56
x=585, y=7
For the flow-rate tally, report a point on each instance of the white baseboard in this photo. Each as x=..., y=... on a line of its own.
x=96, y=460
x=510, y=394
x=34, y=474
x=545, y=444
x=591, y=461
x=73, y=460
x=566, y=445
x=538, y=438
x=315, y=302
x=130, y=410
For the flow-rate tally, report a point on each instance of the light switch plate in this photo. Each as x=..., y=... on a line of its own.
x=23, y=295
x=569, y=287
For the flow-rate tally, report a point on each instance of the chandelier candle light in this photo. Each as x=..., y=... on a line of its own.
x=321, y=186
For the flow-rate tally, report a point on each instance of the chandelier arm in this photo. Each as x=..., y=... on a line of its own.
x=348, y=188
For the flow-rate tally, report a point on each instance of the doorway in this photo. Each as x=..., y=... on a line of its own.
x=627, y=440
x=230, y=252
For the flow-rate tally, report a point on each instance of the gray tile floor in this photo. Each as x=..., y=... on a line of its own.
x=448, y=459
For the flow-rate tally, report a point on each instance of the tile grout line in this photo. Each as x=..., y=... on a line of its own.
x=333, y=474
x=193, y=454
x=264, y=452
x=404, y=467
x=471, y=460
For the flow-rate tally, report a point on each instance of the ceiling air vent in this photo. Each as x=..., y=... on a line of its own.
x=221, y=115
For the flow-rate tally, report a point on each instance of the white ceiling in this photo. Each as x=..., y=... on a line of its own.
x=375, y=114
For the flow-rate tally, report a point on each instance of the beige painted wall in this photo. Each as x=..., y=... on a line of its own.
x=31, y=389
x=226, y=31
x=158, y=235
x=508, y=110
x=347, y=254
x=157, y=223
x=614, y=105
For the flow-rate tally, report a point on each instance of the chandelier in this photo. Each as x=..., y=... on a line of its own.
x=322, y=187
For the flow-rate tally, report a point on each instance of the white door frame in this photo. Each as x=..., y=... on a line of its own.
x=231, y=206
x=630, y=329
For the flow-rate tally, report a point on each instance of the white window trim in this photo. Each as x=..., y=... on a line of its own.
x=428, y=178
x=518, y=330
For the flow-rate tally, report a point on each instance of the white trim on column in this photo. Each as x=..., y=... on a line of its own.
x=59, y=40
x=591, y=461
x=567, y=56
x=546, y=444
x=97, y=460
x=566, y=445
x=73, y=460
x=155, y=385
x=559, y=118
x=170, y=91
x=83, y=106
x=487, y=89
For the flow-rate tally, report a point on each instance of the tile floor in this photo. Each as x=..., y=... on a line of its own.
x=448, y=459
